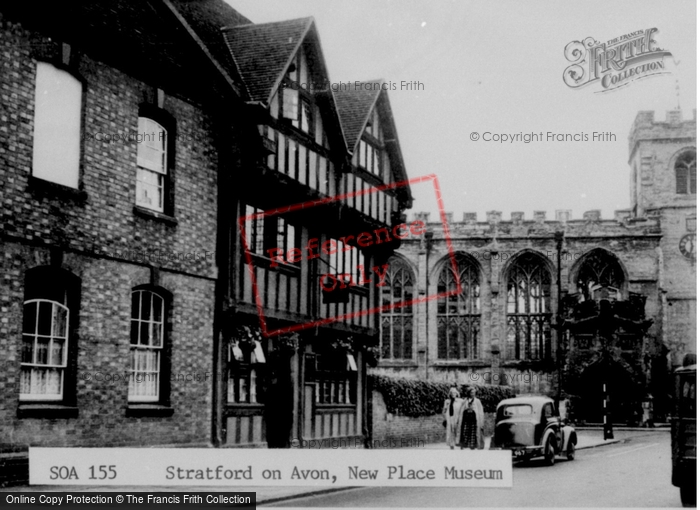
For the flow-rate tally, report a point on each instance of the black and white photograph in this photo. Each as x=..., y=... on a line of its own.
x=368, y=254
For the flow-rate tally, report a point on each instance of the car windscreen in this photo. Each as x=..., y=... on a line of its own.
x=515, y=410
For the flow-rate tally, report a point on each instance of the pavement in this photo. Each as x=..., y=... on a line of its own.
x=587, y=438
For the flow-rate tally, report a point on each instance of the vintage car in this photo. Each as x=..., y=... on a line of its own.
x=684, y=434
x=531, y=427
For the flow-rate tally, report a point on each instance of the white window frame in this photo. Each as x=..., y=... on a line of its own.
x=35, y=366
x=155, y=372
x=151, y=137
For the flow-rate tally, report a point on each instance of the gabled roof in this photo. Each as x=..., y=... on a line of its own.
x=355, y=103
x=207, y=18
x=263, y=52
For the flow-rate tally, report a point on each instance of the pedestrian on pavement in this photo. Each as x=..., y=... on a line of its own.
x=471, y=422
x=450, y=412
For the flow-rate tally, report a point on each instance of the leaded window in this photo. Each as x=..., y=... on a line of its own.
x=600, y=267
x=459, y=313
x=397, y=321
x=528, y=309
x=686, y=174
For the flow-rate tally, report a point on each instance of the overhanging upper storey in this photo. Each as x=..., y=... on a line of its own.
x=286, y=80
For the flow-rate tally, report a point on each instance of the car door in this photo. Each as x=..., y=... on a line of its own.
x=553, y=422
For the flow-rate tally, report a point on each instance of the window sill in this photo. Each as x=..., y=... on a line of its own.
x=155, y=215
x=404, y=363
x=334, y=408
x=477, y=363
x=148, y=411
x=532, y=364
x=47, y=411
x=48, y=189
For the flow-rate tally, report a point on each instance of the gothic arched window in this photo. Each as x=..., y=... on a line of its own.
x=528, y=308
x=397, y=322
x=600, y=267
x=686, y=176
x=459, y=314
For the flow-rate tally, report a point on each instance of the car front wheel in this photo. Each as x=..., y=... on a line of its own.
x=549, y=452
x=571, y=451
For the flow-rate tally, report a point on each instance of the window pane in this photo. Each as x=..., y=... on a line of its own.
x=29, y=319
x=323, y=175
x=149, y=189
x=60, y=322
x=44, y=325
x=27, y=349
x=56, y=355
x=57, y=126
x=292, y=159
x=281, y=153
x=145, y=305
x=313, y=170
x=302, y=164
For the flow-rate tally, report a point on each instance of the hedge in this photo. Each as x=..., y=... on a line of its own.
x=408, y=397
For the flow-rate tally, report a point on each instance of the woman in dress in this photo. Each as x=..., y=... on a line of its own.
x=471, y=422
x=450, y=412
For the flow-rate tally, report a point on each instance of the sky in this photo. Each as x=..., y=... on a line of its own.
x=497, y=67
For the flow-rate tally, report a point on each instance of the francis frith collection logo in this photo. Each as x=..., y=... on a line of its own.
x=615, y=63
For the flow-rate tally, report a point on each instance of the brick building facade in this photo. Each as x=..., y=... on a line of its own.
x=148, y=151
x=109, y=163
x=520, y=279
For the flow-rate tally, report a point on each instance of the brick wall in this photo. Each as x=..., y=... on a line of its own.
x=101, y=239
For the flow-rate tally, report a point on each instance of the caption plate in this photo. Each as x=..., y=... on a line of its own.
x=235, y=467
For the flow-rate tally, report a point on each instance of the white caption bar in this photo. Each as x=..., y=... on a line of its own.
x=239, y=468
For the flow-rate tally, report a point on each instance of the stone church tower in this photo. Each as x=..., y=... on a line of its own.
x=664, y=185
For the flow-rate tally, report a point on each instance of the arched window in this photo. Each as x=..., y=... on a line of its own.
x=686, y=177
x=152, y=165
x=148, y=319
x=599, y=267
x=48, y=347
x=397, y=322
x=459, y=314
x=528, y=309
